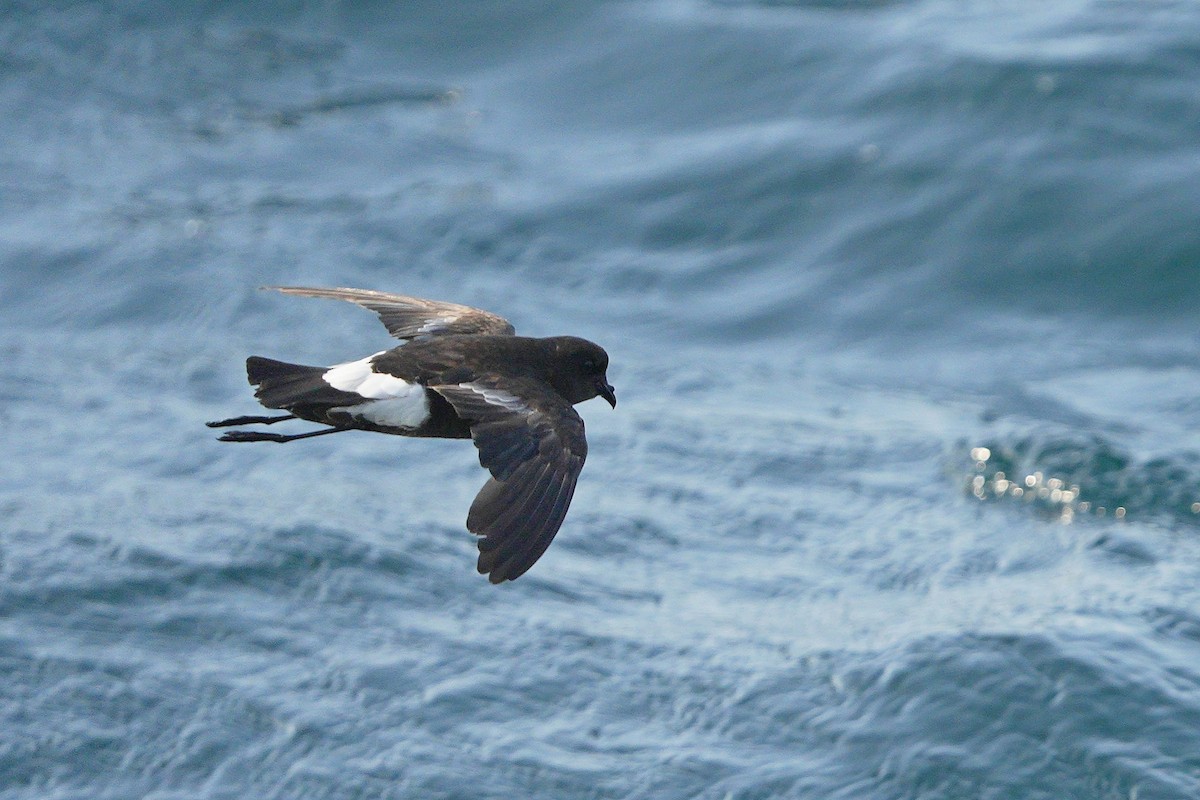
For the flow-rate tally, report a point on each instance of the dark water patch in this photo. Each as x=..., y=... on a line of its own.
x=359, y=100
x=1125, y=549
x=800, y=5
x=1060, y=167
x=175, y=64
x=1066, y=476
x=294, y=565
x=101, y=729
x=616, y=537
x=1175, y=623
x=982, y=715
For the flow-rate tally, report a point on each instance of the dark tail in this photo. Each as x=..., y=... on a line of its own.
x=293, y=387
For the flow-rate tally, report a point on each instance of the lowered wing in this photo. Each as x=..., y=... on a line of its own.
x=532, y=442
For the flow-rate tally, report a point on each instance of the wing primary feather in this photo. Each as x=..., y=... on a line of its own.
x=525, y=499
x=537, y=540
x=503, y=518
x=408, y=317
x=517, y=536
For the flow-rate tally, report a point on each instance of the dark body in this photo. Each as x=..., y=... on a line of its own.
x=461, y=374
x=442, y=360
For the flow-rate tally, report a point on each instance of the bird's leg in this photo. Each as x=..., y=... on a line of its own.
x=225, y=423
x=255, y=436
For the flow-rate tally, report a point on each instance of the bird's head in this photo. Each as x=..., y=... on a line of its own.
x=583, y=373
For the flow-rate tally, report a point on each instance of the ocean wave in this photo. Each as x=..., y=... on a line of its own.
x=1086, y=475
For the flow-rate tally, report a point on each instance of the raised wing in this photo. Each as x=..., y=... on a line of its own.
x=532, y=442
x=410, y=317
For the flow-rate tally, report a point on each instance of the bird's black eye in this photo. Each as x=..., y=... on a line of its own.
x=589, y=364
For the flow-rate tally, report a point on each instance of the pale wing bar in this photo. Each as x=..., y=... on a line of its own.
x=411, y=317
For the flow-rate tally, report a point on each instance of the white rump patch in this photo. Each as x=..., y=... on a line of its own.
x=388, y=401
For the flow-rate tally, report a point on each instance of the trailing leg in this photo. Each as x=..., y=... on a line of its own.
x=225, y=423
x=255, y=436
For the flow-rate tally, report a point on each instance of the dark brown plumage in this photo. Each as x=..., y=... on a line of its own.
x=462, y=373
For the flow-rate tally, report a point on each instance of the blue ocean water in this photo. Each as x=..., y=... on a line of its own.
x=902, y=496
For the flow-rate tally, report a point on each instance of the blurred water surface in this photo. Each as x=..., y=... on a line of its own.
x=902, y=496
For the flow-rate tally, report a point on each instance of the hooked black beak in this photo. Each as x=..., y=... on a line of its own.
x=607, y=392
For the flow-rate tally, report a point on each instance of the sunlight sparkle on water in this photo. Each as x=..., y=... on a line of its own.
x=1050, y=494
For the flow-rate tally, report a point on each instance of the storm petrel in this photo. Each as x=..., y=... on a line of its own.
x=460, y=374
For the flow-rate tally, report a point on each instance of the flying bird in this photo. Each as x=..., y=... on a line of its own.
x=461, y=373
